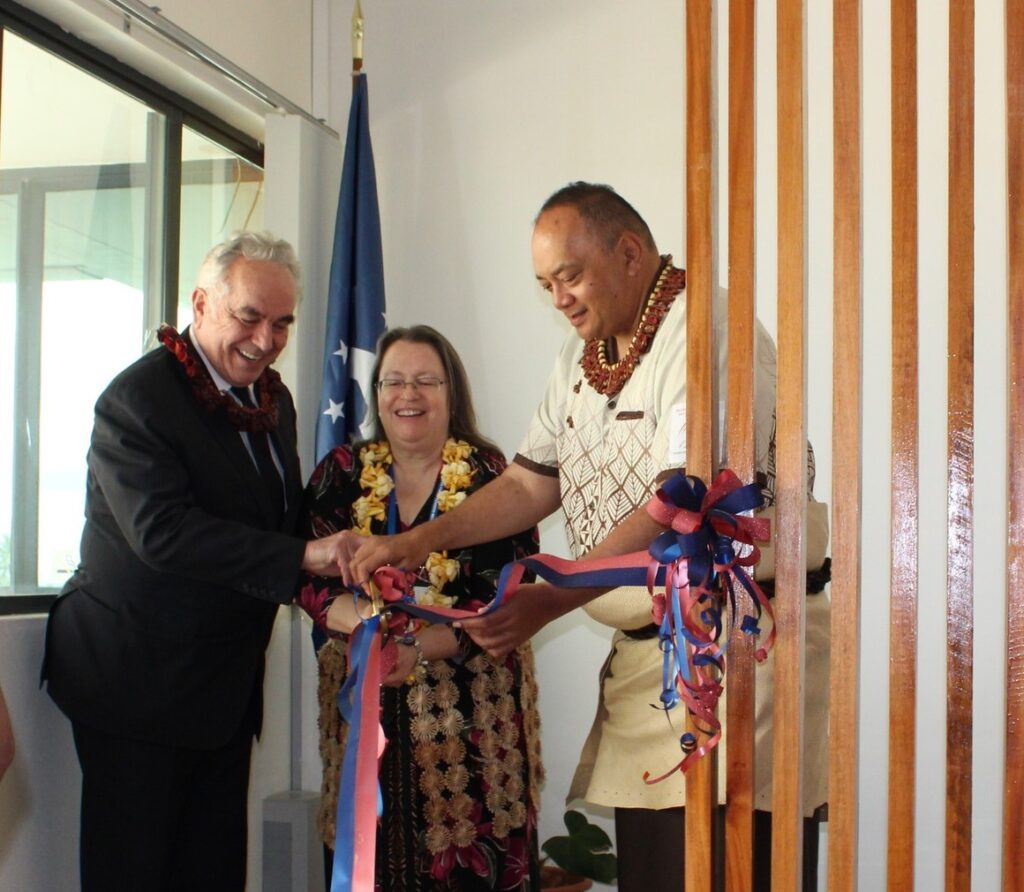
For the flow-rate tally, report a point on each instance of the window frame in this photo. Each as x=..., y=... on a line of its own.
x=162, y=250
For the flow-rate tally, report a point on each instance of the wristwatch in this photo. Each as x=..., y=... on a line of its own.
x=419, y=671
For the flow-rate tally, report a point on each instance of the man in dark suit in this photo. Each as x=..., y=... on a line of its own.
x=155, y=648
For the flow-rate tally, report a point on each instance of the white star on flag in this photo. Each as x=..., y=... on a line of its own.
x=335, y=410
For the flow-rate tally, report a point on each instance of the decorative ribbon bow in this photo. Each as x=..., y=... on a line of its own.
x=695, y=559
x=699, y=556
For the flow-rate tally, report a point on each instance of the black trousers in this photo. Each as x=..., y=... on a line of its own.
x=158, y=817
x=652, y=858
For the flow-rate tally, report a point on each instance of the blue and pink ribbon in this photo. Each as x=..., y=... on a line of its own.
x=705, y=552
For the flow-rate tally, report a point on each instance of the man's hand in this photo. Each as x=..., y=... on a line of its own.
x=404, y=551
x=327, y=556
x=517, y=620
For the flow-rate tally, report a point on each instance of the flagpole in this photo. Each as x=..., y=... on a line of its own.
x=355, y=305
x=357, y=43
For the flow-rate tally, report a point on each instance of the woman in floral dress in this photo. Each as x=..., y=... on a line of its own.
x=462, y=768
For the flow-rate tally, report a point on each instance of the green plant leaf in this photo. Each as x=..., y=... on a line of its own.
x=581, y=851
x=575, y=821
x=559, y=850
x=593, y=838
x=604, y=868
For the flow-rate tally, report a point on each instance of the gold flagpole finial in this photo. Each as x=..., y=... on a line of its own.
x=357, y=37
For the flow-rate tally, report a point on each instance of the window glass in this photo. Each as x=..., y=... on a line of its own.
x=92, y=294
x=8, y=218
x=83, y=269
x=76, y=183
x=220, y=193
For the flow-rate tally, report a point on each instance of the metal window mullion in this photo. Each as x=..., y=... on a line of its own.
x=154, y=260
x=162, y=221
x=172, y=215
x=27, y=386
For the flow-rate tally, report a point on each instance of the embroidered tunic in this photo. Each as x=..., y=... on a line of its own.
x=608, y=455
x=460, y=776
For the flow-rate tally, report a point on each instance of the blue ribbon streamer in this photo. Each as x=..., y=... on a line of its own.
x=362, y=639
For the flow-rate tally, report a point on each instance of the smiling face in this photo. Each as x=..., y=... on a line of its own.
x=594, y=286
x=243, y=330
x=413, y=418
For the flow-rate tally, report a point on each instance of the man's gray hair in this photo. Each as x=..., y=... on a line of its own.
x=252, y=246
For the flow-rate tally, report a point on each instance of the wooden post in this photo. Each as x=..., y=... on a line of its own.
x=739, y=819
x=905, y=470
x=791, y=440
x=700, y=407
x=847, y=407
x=960, y=491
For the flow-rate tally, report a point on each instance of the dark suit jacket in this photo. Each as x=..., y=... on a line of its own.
x=161, y=632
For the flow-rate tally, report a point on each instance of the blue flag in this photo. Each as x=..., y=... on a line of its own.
x=355, y=301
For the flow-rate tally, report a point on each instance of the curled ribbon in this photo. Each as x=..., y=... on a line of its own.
x=695, y=559
x=698, y=553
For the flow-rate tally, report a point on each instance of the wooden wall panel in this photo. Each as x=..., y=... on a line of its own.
x=700, y=407
x=740, y=447
x=791, y=439
x=960, y=491
x=846, y=449
x=1013, y=796
x=903, y=578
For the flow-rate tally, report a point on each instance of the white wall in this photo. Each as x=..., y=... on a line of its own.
x=39, y=796
x=269, y=39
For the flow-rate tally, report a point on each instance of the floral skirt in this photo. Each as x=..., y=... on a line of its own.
x=458, y=778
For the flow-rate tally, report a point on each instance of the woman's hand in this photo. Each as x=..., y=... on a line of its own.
x=345, y=614
x=408, y=656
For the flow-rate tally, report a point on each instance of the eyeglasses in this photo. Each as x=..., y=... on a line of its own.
x=397, y=385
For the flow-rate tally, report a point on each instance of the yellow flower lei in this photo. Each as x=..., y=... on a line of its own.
x=456, y=477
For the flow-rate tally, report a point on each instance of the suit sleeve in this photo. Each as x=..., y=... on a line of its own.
x=327, y=509
x=175, y=501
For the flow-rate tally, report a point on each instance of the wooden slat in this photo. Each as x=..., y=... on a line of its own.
x=740, y=446
x=960, y=492
x=700, y=411
x=791, y=439
x=846, y=452
x=905, y=433
x=1013, y=796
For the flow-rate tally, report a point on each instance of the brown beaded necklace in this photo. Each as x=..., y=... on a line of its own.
x=268, y=385
x=608, y=378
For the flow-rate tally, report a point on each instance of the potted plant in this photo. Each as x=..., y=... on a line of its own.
x=578, y=859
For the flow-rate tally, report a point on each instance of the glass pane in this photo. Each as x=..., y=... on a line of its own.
x=75, y=184
x=220, y=193
x=92, y=294
x=8, y=218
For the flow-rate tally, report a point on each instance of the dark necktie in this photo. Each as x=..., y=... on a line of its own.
x=260, y=443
